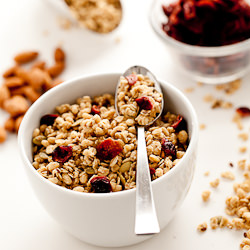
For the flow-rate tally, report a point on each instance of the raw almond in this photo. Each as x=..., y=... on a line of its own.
x=16, y=105
x=38, y=78
x=4, y=94
x=13, y=82
x=39, y=64
x=26, y=57
x=59, y=55
x=3, y=135
x=31, y=94
x=22, y=73
x=17, y=91
x=9, y=125
x=54, y=83
x=10, y=72
x=56, y=69
x=18, y=123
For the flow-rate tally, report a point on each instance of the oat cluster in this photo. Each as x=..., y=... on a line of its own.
x=90, y=128
x=101, y=16
x=138, y=99
x=22, y=86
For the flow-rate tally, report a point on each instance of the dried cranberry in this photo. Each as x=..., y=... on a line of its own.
x=95, y=110
x=152, y=172
x=108, y=149
x=48, y=119
x=180, y=123
x=101, y=184
x=243, y=111
x=132, y=79
x=144, y=103
x=62, y=153
x=168, y=148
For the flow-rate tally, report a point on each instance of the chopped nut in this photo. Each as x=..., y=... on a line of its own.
x=206, y=195
x=215, y=183
x=228, y=175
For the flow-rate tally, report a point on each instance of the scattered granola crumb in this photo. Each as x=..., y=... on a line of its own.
x=243, y=136
x=243, y=149
x=200, y=84
x=118, y=39
x=231, y=87
x=64, y=23
x=215, y=183
x=189, y=90
x=207, y=173
x=238, y=120
x=242, y=164
x=219, y=221
x=218, y=103
x=202, y=126
x=208, y=98
x=228, y=175
x=202, y=227
x=206, y=195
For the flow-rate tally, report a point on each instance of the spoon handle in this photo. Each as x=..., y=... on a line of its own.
x=145, y=218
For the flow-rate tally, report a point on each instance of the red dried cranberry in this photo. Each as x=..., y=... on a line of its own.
x=62, y=153
x=132, y=79
x=144, y=103
x=180, y=123
x=108, y=149
x=243, y=111
x=101, y=184
x=168, y=148
x=95, y=110
x=152, y=172
x=48, y=119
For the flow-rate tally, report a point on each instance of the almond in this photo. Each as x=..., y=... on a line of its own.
x=9, y=125
x=31, y=94
x=17, y=91
x=56, y=69
x=38, y=78
x=3, y=135
x=18, y=123
x=22, y=73
x=13, y=82
x=10, y=72
x=54, y=83
x=16, y=105
x=26, y=57
x=4, y=94
x=59, y=55
x=39, y=64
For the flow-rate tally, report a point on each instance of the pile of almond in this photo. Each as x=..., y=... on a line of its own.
x=22, y=86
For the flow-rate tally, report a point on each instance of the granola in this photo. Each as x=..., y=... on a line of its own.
x=87, y=147
x=138, y=99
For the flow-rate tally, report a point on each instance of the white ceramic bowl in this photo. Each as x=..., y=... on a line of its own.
x=106, y=219
x=212, y=65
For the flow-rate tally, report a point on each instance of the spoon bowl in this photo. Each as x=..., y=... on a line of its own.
x=146, y=221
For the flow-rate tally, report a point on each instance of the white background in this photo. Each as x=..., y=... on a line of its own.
x=24, y=224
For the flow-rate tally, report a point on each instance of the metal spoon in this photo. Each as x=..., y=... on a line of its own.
x=146, y=221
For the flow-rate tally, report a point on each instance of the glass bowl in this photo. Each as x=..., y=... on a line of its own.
x=212, y=65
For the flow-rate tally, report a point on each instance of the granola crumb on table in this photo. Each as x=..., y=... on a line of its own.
x=103, y=144
x=202, y=227
x=206, y=195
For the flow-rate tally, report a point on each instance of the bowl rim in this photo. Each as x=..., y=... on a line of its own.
x=195, y=50
x=112, y=195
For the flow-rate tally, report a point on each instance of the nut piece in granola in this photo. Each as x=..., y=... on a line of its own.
x=206, y=195
x=138, y=99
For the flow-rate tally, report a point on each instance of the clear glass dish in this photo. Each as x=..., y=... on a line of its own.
x=212, y=65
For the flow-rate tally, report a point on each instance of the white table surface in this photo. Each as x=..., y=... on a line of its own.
x=24, y=224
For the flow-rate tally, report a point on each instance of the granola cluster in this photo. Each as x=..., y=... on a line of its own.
x=87, y=147
x=138, y=99
x=101, y=16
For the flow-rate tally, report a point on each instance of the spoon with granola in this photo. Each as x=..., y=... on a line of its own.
x=139, y=97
